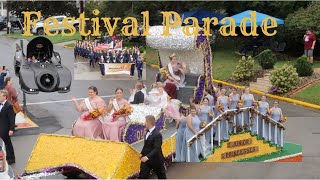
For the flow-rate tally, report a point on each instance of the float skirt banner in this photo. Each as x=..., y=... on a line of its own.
x=117, y=68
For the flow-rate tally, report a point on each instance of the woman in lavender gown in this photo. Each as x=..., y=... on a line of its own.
x=85, y=126
x=276, y=115
x=224, y=129
x=263, y=107
x=234, y=98
x=181, y=127
x=248, y=100
x=205, y=112
x=192, y=128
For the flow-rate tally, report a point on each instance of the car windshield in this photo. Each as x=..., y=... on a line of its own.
x=2, y=18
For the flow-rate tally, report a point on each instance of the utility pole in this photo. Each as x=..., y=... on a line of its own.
x=8, y=10
x=81, y=11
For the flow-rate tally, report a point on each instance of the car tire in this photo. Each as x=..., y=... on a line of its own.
x=40, y=31
x=40, y=79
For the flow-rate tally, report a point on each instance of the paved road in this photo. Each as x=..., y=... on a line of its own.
x=56, y=114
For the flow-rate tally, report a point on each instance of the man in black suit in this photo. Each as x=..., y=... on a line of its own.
x=138, y=96
x=151, y=154
x=7, y=124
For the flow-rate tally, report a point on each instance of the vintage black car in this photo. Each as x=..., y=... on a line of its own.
x=40, y=70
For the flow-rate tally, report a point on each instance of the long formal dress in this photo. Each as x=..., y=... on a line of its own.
x=194, y=153
x=224, y=126
x=90, y=128
x=112, y=127
x=171, y=87
x=234, y=104
x=204, y=117
x=247, y=102
x=180, y=145
x=156, y=99
x=263, y=109
x=276, y=115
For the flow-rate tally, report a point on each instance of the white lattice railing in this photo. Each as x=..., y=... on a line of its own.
x=233, y=114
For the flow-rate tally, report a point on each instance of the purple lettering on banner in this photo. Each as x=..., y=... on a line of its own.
x=136, y=132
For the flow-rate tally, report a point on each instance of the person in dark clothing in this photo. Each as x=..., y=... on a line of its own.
x=139, y=65
x=91, y=57
x=126, y=56
x=3, y=74
x=151, y=155
x=139, y=95
x=7, y=125
x=133, y=61
x=101, y=64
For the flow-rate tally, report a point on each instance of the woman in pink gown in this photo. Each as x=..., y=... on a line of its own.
x=84, y=126
x=111, y=126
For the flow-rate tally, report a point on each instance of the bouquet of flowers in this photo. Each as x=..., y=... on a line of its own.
x=283, y=119
x=211, y=115
x=93, y=114
x=255, y=104
x=221, y=108
x=203, y=124
x=240, y=104
x=125, y=110
x=164, y=73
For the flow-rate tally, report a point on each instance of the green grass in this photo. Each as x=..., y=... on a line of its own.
x=152, y=56
x=70, y=45
x=288, y=149
x=316, y=64
x=54, y=39
x=310, y=94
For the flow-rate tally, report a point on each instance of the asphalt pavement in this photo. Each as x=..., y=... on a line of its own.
x=56, y=114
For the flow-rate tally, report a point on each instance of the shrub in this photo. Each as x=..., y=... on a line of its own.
x=266, y=59
x=244, y=70
x=285, y=77
x=303, y=66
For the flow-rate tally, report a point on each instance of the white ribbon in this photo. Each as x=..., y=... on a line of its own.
x=170, y=69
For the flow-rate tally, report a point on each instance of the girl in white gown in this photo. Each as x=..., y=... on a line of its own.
x=159, y=98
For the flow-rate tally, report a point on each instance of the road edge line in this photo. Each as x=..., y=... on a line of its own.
x=293, y=101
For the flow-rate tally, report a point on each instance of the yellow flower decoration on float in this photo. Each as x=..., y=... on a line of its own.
x=100, y=158
x=264, y=148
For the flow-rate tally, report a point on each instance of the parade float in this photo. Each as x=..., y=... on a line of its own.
x=103, y=159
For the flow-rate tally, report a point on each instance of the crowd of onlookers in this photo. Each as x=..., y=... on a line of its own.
x=9, y=106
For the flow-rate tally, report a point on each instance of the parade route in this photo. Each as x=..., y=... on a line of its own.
x=57, y=114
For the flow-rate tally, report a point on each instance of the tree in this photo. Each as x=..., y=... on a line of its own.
x=298, y=22
x=47, y=8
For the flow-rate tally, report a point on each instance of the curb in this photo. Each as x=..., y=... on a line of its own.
x=65, y=46
x=303, y=87
x=302, y=103
x=153, y=65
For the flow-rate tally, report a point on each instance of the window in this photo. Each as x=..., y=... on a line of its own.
x=60, y=19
